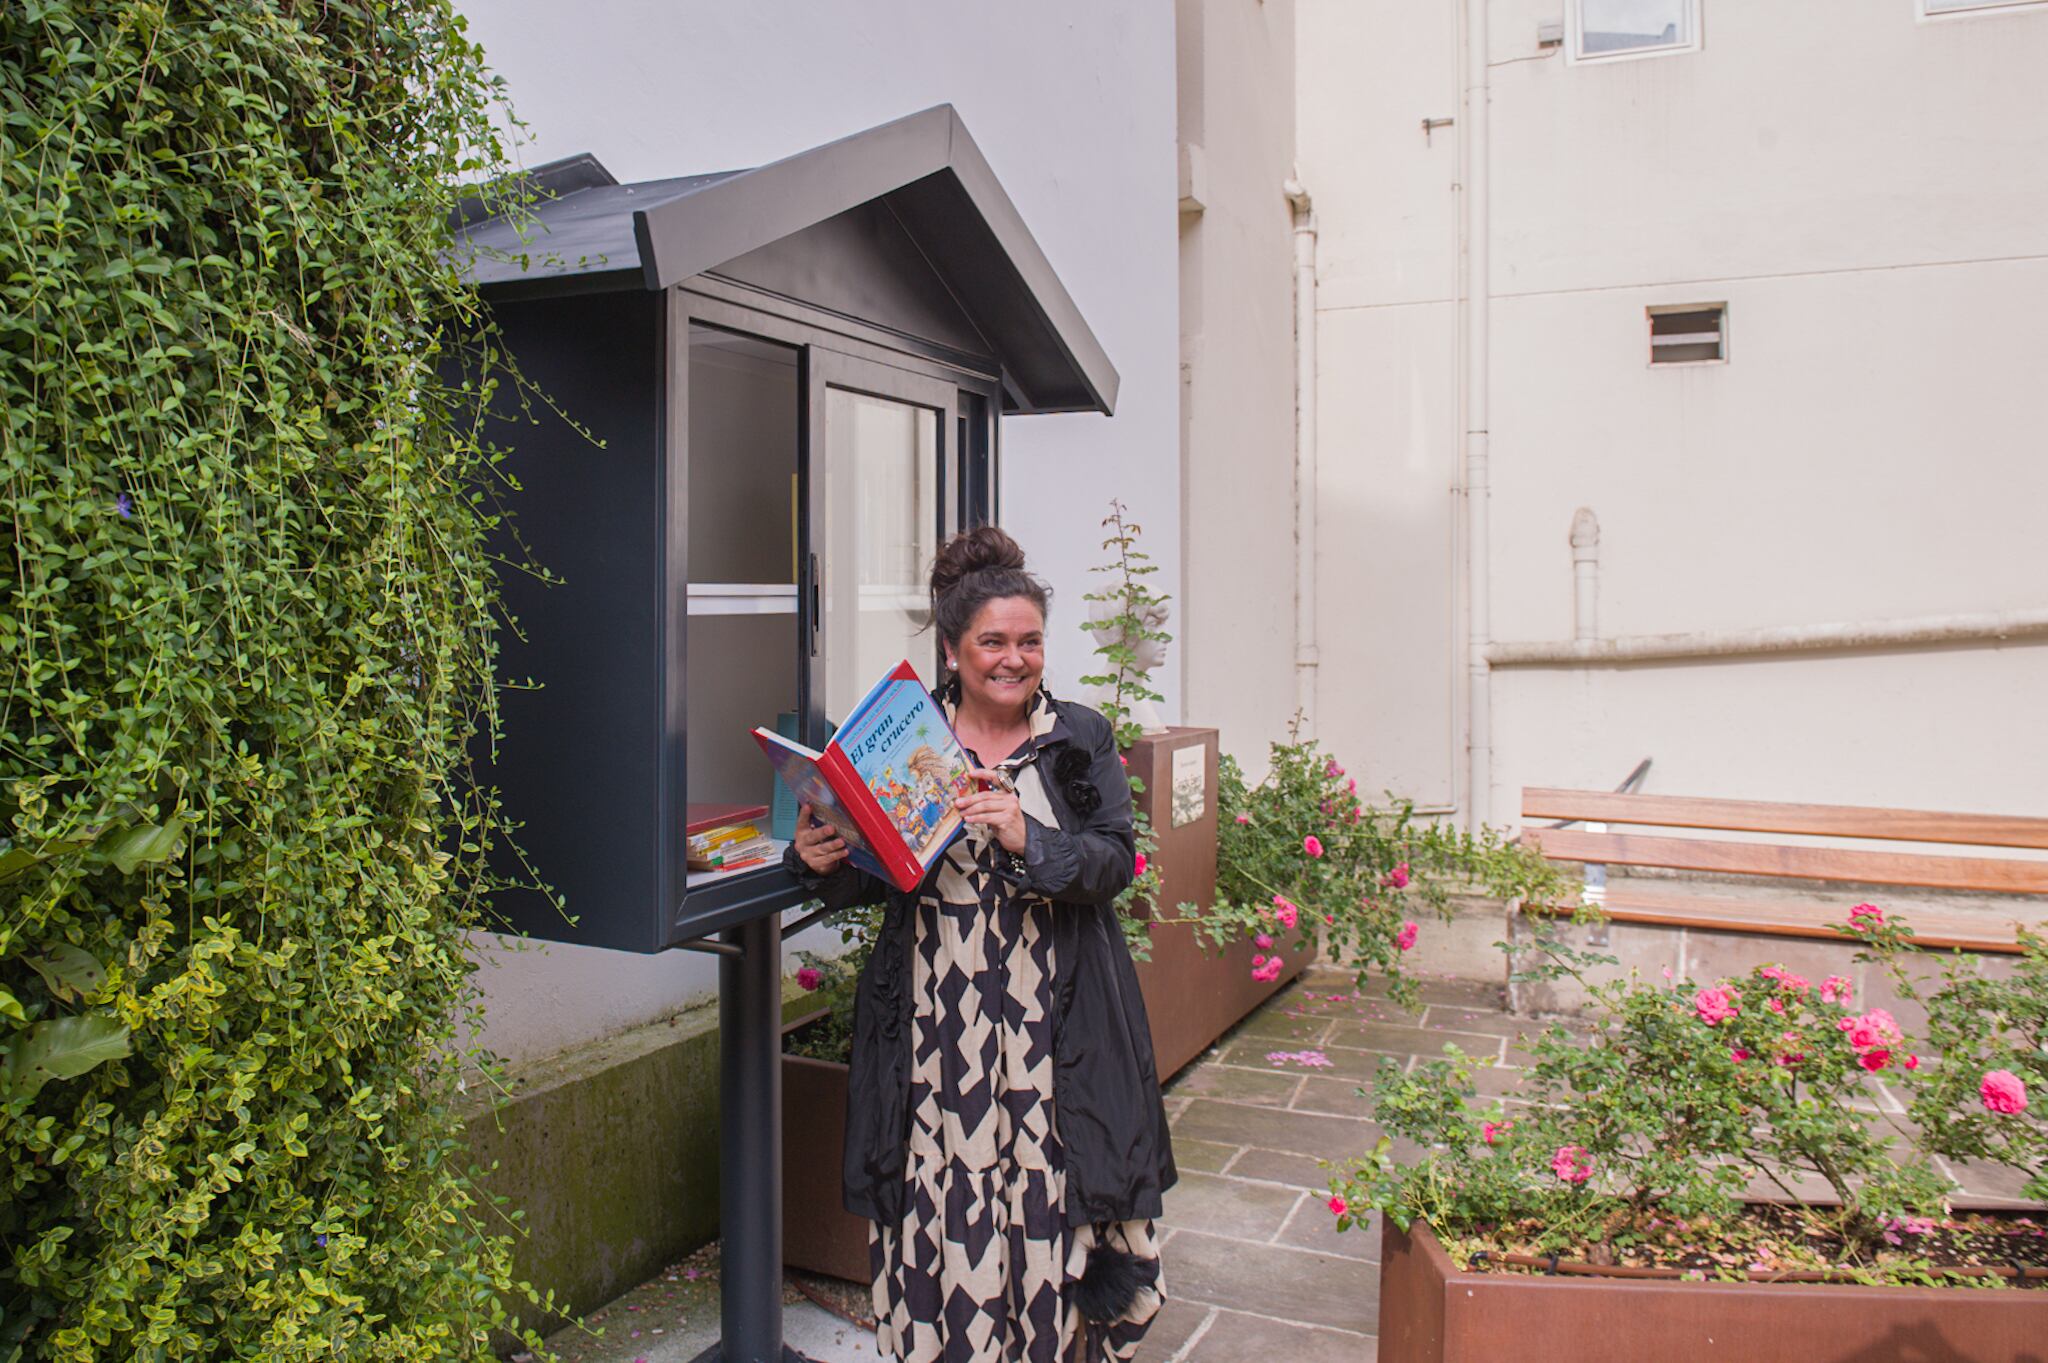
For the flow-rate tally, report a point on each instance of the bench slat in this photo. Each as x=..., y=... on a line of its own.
x=1780, y=918
x=1982, y=874
x=1761, y=816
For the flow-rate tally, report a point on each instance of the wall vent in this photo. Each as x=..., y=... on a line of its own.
x=1689, y=333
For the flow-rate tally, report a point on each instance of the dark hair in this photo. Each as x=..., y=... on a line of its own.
x=974, y=568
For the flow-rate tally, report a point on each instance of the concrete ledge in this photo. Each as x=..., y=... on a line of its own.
x=611, y=1151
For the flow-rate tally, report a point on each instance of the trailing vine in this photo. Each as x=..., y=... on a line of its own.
x=246, y=648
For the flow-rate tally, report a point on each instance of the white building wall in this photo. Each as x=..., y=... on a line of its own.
x=1868, y=193
x=1072, y=103
x=1234, y=627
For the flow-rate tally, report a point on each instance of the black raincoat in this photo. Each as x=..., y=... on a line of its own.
x=1106, y=1105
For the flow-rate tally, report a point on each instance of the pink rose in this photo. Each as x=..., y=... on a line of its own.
x=1405, y=938
x=1396, y=879
x=1265, y=941
x=1312, y=845
x=1572, y=1164
x=1834, y=989
x=1491, y=1132
x=1258, y=960
x=808, y=978
x=1338, y=1206
x=1244, y=818
x=1911, y=1062
x=1874, y=1060
x=1125, y=760
x=2003, y=1091
x=1714, y=1005
x=1141, y=863
x=1738, y=1055
x=1268, y=972
x=1351, y=786
x=1776, y=1005
x=1866, y=916
x=1286, y=912
x=1332, y=770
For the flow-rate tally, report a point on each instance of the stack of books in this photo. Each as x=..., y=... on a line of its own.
x=726, y=837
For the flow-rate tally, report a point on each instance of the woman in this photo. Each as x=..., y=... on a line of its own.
x=1004, y=1130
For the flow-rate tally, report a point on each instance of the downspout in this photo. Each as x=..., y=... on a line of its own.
x=1478, y=287
x=1305, y=654
x=1585, y=575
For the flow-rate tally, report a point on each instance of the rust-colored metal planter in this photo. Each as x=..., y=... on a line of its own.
x=1430, y=1312
x=818, y=1233
x=1191, y=996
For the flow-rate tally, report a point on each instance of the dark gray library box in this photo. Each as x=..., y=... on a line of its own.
x=788, y=381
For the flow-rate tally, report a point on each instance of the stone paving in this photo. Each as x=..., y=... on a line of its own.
x=1254, y=1262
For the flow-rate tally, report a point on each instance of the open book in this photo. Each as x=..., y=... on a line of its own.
x=887, y=780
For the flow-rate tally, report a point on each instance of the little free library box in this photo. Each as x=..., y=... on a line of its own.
x=769, y=394
x=789, y=381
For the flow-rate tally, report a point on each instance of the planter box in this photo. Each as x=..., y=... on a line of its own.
x=818, y=1234
x=1432, y=1313
x=1191, y=996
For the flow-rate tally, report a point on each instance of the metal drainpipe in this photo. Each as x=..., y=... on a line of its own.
x=1478, y=286
x=1306, y=656
x=1585, y=574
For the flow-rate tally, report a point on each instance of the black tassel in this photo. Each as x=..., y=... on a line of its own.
x=1110, y=1284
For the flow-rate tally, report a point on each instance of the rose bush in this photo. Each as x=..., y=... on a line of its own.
x=1687, y=1097
x=1982, y=1101
x=1299, y=855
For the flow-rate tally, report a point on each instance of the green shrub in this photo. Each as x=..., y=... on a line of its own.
x=247, y=642
x=1301, y=859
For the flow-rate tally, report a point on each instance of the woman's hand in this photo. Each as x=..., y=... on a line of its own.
x=817, y=844
x=995, y=809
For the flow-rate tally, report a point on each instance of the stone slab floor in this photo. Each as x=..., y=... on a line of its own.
x=1255, y=1267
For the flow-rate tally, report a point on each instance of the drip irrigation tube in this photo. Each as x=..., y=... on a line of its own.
x=1551, y=1264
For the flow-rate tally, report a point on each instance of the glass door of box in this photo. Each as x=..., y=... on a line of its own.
x=880, y=506
x=742, y=639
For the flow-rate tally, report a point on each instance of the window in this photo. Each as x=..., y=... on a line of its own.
x=1936, y=9
x=1689, y=333
x=1603, y=30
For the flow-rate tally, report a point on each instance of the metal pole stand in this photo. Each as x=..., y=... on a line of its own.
x=750, y=1146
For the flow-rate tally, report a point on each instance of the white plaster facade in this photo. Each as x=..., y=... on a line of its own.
x=1865, y=189
x=1867, y=192
x=1072, y=102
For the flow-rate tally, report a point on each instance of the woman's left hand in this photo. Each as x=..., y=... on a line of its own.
x=996, y=809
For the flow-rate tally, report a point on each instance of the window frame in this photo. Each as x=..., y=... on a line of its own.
x=1575, y=37
x=1655, y=310
x=1972, y=9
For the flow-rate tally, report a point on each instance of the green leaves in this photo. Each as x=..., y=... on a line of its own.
x=248, y=638
x=146, y=845
x=62, y=1048
x=68, y=972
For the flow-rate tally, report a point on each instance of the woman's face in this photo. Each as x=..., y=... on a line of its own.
x=1001, y=654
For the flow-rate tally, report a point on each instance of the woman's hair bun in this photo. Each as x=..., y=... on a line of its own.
x=975, y=567
x=985, y=546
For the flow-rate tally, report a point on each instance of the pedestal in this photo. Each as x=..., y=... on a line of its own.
x=1191, y=995
x=750, y=1147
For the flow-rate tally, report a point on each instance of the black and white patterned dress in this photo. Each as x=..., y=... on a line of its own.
x=981, y=1268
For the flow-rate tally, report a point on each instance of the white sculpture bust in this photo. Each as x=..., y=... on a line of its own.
x=1150, y=654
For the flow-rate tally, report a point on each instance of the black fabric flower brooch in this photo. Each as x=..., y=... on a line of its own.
x=1070, y=769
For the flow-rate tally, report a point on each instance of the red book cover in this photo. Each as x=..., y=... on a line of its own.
x=703, y=817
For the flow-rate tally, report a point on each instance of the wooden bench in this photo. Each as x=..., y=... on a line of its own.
x=1679, y=905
